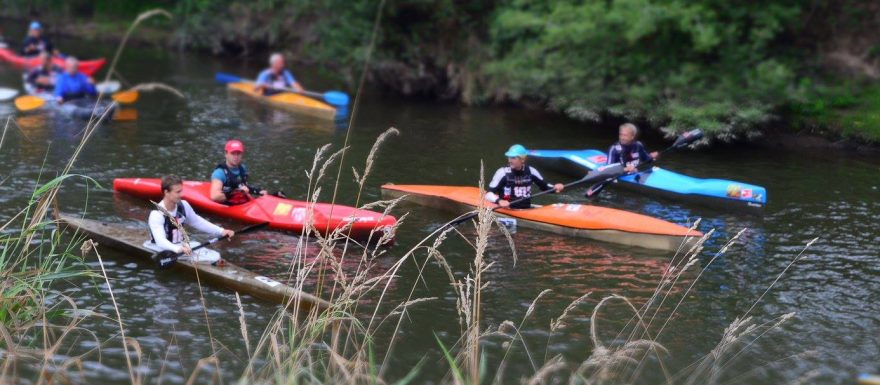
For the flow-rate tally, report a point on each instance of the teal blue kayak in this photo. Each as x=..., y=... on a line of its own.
x=719, y=193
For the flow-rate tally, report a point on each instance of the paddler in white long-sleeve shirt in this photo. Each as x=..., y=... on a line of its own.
x=164, y=233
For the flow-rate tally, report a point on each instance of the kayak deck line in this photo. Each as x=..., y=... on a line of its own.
x=228, y=275
x=576, y=220
x=716, y=193
x=287, y=100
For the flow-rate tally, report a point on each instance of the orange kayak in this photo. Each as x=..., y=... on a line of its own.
x=288, y=100
x=585, y=221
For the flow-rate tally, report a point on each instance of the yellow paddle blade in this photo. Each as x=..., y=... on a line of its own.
x=125, y=114
x=29, y=102
x=126, y=97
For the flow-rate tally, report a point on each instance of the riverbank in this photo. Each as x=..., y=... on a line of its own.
x=498, y=54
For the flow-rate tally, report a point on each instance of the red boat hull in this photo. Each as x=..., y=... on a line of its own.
x=88, y=67
x=282, y=214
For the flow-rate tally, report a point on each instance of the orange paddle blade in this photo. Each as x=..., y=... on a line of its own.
x=29, y=102
x=125, y=114
x=126, y=97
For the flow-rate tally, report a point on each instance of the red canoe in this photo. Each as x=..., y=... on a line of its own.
x=88, y=67
x=282, y=214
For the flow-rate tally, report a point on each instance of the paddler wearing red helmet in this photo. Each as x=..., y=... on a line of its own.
x=229, y=181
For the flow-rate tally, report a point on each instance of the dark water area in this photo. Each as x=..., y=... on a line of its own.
x=833, y=196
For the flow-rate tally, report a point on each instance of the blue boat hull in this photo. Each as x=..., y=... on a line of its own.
x=719, y=193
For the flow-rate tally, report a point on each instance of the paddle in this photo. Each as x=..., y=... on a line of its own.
x=108, y=87
x=7, y=94
x=602, y=173
x=29, y=102
x=168, y=258
x=125, y=97
x=682, y=141
x=336, y=98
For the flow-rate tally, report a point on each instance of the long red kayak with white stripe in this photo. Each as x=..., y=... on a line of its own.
x=281, y=213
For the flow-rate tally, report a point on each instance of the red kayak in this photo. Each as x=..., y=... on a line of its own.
x=88, y=67
x=282, y=214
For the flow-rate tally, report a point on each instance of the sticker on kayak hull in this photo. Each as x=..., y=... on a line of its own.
x=508, y=223
x=282, y=209
x=268, y=281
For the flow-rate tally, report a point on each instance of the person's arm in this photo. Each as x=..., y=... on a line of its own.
x=199, y=223
x=293, y=83
x=262, y=81
x=60, y=87
x=217, y=180
x=496, y=187
x=87, y=83
x=543, y=184
x=613, y=155
x=644, y=156
x=157, y=230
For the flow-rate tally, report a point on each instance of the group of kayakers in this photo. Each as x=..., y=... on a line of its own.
x=511, y=186
x=64, y=84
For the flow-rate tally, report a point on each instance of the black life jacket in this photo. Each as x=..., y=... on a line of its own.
x=169, y=227
x=518, y=186
x=234, y=196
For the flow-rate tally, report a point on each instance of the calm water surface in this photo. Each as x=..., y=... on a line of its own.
x=834, y=289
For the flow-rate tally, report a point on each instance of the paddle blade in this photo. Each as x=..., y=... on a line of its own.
x=126, y=97
x=688, y=138
x=108, y=87
x=7, y=94
x=224, y=78
x=164, y=260
x=125, y=114
x=29, y=102
x=605, y=173
x=336, y=98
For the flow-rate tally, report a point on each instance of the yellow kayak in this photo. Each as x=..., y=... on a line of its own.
x=288, y=100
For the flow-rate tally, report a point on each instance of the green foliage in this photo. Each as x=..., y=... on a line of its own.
x=675, y=63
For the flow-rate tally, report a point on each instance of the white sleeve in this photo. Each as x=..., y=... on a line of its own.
x=157, y=230
x=199, y=223
x=491, y=193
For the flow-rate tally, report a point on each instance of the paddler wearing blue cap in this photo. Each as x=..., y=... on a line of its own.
x=515, y=181
x=35, y=43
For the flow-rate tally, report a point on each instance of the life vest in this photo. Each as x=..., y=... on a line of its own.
x=234, y=196
x=170, y=228
x=518, y=183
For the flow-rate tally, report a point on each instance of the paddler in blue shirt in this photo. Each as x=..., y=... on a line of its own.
x=515, y=181
x=629, y=151
x=276, y=78
x=229, y=181
x=72, y=84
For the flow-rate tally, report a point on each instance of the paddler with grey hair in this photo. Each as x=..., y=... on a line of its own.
x=276, y=78
x=515, y=181
x=164, y=233
x=628, y=151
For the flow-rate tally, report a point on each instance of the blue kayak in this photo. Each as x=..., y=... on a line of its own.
x=719, y=193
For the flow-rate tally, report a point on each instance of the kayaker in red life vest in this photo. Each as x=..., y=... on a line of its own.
x=164, y=233
x=515, y=181
x=628, y=150
x=276, y=78
x=229, y=181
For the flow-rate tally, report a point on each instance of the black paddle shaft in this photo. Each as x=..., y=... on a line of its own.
x=683, y=140
x=167, y=258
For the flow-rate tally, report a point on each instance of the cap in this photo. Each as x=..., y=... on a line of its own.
x=517, y=150
x=35, y=25
x=234, y=145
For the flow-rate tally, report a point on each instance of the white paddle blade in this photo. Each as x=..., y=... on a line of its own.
x=7, y=93
x=108, y=87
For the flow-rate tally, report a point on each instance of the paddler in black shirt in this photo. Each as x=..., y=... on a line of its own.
x=515, y=181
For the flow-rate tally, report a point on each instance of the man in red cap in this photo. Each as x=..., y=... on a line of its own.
x=229, y=181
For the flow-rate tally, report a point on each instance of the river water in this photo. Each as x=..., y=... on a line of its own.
x=833, y=196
